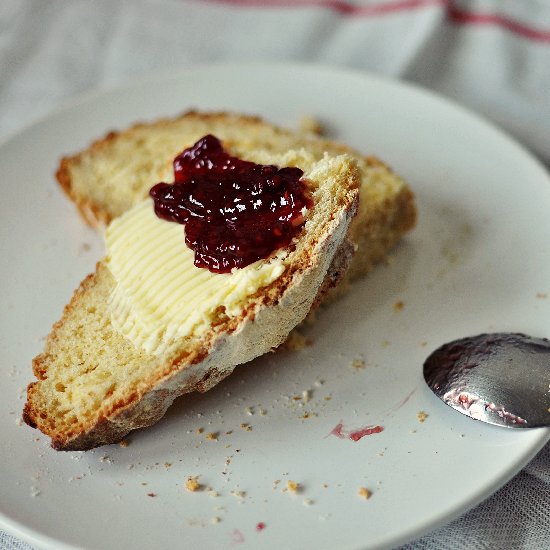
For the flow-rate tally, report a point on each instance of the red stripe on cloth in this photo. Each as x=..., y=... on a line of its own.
x=455, y=14
x=340, y=6
x=464, y=17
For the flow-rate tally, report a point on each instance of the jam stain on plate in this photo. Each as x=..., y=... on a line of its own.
x=357, y=434
x=235, y=211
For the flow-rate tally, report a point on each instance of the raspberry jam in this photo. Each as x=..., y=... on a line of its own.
x=235, y=212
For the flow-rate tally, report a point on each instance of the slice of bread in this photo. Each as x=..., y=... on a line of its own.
x=115, y=172
x=94, y=385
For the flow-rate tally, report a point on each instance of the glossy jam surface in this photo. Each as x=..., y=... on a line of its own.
x=235, y=212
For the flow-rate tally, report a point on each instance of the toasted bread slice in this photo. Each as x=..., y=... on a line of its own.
x=117, y=171
x=95, y=385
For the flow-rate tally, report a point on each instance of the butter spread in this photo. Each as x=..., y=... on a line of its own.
x=159, y=294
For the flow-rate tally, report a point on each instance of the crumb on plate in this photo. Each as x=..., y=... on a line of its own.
x=421, y=415
x=293, y=486
x=364, y=493
x=399, y=305
x=192, y=484
x=296, y=341
x=310, y=125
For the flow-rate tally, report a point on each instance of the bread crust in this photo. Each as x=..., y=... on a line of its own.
x=198, y=365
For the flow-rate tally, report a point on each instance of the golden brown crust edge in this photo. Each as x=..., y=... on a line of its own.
x=93, y=215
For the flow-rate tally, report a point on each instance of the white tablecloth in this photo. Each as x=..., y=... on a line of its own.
x=493, y=56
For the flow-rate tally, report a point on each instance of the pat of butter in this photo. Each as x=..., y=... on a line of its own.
x=160, y=295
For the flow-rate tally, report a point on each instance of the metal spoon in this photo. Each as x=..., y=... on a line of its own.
x=501, y=378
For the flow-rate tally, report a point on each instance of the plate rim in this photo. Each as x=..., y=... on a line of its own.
x=34, y=537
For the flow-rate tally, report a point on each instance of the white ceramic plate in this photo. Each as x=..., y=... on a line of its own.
x=473, y=264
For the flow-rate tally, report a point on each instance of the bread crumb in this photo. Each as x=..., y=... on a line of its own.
x=399, y=305
x=542, y=295
x=249, y=411
x=124, y=443
x=292, y=486
x=246, y=427
x=310, y=125
x=199, y=430
x=238, y=494
x=296, y=341
x=215, y=520
x=213, y=493
x=83, y=248
x=357, y=364
x=192, y=484
x=364, y=493
x=212, y=436
x=421, y=415
x=307, y=502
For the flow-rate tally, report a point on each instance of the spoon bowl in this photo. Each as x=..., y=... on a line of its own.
x=500, y=378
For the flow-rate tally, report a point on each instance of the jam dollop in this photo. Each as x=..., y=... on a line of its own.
x=235, y=212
